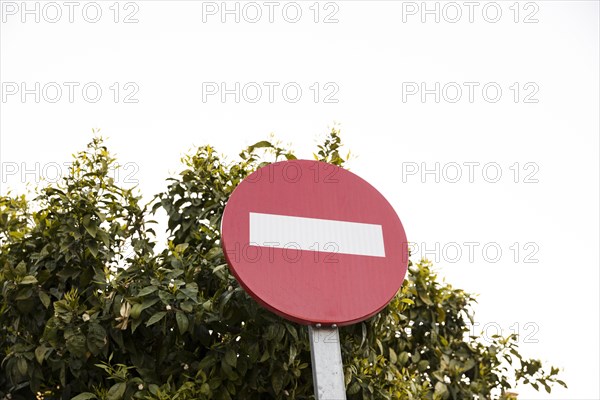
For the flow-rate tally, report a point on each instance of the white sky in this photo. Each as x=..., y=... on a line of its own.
x=373, y=56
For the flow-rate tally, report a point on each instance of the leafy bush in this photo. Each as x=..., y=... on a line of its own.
x=82, y=317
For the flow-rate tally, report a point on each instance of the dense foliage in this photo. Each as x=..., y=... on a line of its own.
x=83, y=317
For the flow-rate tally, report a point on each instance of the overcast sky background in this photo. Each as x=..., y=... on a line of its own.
x=371, y=58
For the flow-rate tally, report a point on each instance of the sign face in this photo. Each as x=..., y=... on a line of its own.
x=314, y=243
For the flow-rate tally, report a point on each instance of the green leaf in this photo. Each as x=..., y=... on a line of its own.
x=117, y=391
x=93, y=248
x=180, y=248
x=187, y=306
x=380, y=345
x=147, y=290
x=156, y=317
x=44, y=298
x=228, y=370
x=24, y=293
x=205, y=389
x=422, y=365
x=85, y=396
x=104, y=237
x=261, y=144
x=96, y=338
x=149, y=303
x=443, y=341
x=214, y=252
x=207, y=362
x=293, y=353
x=425, y=298
x=403, y=358
x=63, y=374
x=439, y=375
x=231, y=357
x=264, y=357
x=22, y=366
x=21, y=268
x=75, y=343
x=393, y=356
x=40, y=353
x=441, y=391
x=135, y=324
x=277, y=381
x=354, y=388
x=182, y=322
x=29, y=280
x=136, y=310
x=470, y=363
x=90, y=226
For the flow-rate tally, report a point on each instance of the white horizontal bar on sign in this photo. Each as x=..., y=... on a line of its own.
x=314, y=234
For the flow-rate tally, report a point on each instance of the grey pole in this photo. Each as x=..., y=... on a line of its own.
x=327, y=367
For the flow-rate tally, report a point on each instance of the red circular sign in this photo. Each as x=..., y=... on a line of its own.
x=314, y=243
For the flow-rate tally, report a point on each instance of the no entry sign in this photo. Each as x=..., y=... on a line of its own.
x=314, y=243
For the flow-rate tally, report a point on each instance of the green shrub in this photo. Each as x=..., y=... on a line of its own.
x=90, y=310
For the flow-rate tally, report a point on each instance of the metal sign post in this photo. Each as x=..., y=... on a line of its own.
x=327, y=367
